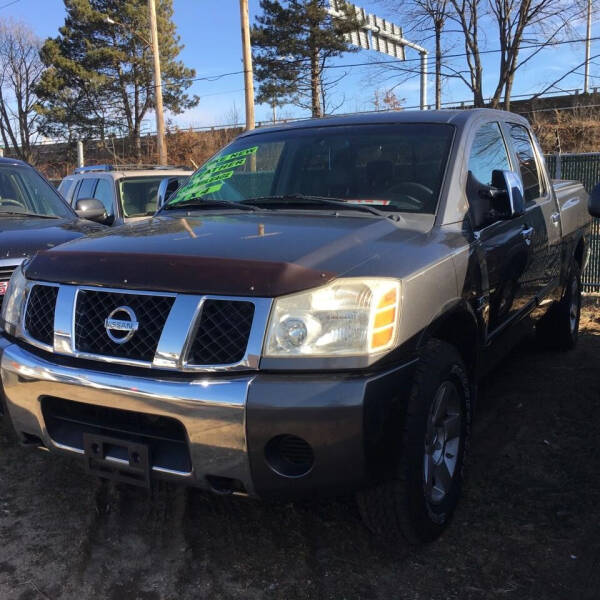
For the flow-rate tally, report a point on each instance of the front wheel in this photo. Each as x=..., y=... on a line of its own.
x=420, y=500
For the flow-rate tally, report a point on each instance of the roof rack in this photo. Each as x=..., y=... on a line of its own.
x=92, y=168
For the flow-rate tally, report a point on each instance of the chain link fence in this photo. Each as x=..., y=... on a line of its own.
x=584, y=168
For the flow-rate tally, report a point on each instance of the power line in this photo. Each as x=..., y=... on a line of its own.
x=461, y=54
x=9, y=4
x=212, y=78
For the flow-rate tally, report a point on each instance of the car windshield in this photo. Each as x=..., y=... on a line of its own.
x=23, y=191
x=391, y=167
x=139, y=194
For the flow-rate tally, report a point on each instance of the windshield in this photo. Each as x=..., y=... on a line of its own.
x=394, y=167
x=139, y=194
x=23, y=191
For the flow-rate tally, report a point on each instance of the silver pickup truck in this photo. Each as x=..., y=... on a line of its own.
x=310, y=313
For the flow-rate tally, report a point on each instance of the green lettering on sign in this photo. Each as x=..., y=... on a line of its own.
x=212, y=175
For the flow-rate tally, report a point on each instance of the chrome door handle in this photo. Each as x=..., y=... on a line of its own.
x=527, y=233
x=555, y=218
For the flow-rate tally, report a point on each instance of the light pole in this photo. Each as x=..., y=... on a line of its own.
x=588, y=44
x=378, y=34
x=160, y=119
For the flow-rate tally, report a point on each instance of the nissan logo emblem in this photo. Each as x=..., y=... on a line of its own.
x=122, y=320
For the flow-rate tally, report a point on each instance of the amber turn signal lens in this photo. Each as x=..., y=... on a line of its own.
x=384, y=321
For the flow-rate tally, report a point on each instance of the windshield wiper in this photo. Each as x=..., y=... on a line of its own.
x=14, y=213
x=299, y=199
x=200, y=203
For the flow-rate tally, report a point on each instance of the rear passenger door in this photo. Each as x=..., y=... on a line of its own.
x=542, y=212
x=503, y=247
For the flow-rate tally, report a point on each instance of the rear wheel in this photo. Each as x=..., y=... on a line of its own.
x=418, y=503
x=559, y=328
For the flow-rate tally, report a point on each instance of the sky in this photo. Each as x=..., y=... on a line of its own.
x=210, y=31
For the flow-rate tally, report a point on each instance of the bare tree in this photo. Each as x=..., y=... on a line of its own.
x=467, y=14
x=20, y=70
x=539, y=23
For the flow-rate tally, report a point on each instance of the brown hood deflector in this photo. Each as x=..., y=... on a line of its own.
x=168, y=273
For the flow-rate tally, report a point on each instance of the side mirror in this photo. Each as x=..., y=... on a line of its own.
x=91, y=209
x=502, y=200
x=594, y=202
x=165, y=189
x=512, y=197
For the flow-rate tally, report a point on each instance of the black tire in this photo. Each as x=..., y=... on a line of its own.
x=406, y=507
x=559, y=328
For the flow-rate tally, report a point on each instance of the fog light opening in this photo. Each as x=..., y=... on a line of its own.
x=289, y=455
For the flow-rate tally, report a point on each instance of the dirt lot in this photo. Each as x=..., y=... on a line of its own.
x=529, y=525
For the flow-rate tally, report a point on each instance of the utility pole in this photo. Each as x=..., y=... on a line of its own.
x=248, y=74
x=588, y=47
x=160, y=117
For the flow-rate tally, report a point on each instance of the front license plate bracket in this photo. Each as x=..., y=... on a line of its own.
x=117, y=459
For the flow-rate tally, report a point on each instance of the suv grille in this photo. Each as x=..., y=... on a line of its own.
x=39, y=320
x=94, y=307
x=223, y=332
x=5, y=274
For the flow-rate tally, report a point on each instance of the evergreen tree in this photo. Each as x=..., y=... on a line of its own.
x=292, y=43
x=99, y=77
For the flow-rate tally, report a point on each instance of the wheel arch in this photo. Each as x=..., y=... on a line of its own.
x=458, y=326
x=579, y=252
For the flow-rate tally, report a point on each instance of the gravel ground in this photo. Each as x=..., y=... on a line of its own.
x=528, y=526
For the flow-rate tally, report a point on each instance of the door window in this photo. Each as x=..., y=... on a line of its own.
x=86, y=189
x=104, y=193
x=488, y=153
x=65, y=186
x=527, y=162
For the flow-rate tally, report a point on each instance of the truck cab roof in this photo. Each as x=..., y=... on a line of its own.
x=454, y=117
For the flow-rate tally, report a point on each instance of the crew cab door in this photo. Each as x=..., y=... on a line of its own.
x=503, y=247
x=543, y=215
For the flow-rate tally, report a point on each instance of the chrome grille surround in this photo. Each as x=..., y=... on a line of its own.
x=176, y=339
x=7, y=266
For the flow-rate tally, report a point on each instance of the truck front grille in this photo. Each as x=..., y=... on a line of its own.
x=39, y=319
x=167, y=330
x=93, y=308
x=223, y=332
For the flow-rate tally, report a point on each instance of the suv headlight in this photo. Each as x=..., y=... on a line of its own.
x=348, y=317
x=14, y=303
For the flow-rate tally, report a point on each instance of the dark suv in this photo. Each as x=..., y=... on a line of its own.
x=33, y=217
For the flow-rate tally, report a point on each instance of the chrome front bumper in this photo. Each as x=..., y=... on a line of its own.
x=212, y=411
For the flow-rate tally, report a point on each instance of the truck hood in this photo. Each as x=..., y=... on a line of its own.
x=251, y=254
x=23, y=237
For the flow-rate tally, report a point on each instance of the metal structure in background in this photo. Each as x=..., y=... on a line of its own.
x=382, y=36
x=80, y=158
x=584, y=168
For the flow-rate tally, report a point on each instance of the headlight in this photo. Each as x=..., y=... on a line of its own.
x=348, y=317
x=14, y=302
